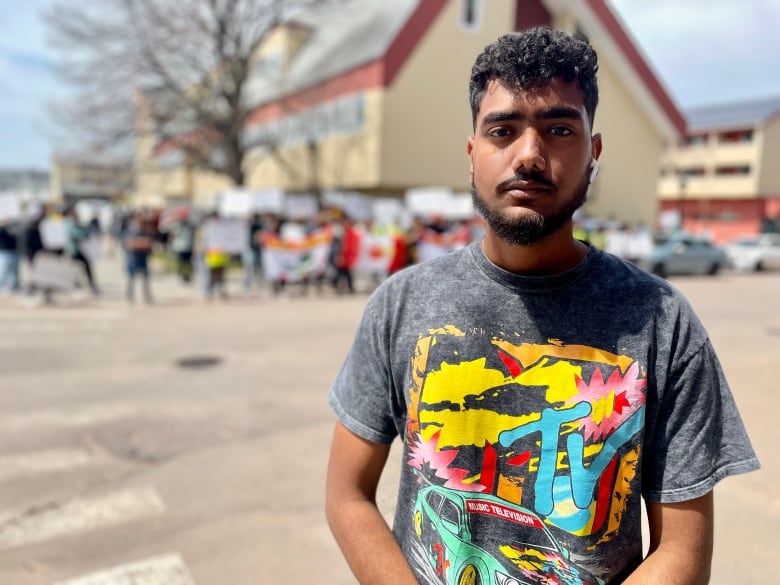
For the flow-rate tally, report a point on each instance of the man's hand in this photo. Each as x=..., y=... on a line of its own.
x=680, y=544
x=366, y=540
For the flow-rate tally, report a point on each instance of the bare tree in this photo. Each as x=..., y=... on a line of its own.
x=187, y=63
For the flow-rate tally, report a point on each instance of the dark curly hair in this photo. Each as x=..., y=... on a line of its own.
x=530, y=59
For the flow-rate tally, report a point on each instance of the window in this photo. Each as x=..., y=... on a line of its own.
x=735, y=136
x=450, y=513
x=733, y=170
x=691, y=172
x=695, y=140
x=471, y=14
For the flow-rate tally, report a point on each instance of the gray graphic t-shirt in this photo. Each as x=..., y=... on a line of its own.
x=535, y=412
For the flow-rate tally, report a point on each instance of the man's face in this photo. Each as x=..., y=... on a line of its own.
x=530, y=159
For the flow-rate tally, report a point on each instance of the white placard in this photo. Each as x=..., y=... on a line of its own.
x=235, y=203
x=53, y=271
x=301, y=206
x=10, y=207
x=427, y=201
x=226, y=235
x=53, y=233
x=91, y=248
x=387, y=211
x=243, y=203
x=268, y=201
x=356, y=205
x=461, y=207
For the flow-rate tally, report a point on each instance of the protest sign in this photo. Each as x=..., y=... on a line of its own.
x=301, y=206
x=91, y=248
x=10, y=207
x=226, y=235
x=234, y=203
x=51, y=271
x=268, y=201
x=52, y=233
x=428, y=201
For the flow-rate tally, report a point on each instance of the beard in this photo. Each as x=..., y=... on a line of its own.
x=534, y=227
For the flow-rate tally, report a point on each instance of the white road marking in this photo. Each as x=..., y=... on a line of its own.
x=84, y=416
x=39, y=462
x=78, y=516
x=162, y=570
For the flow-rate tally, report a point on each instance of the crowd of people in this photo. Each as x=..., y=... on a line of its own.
x=329, y=251
x=274, y=253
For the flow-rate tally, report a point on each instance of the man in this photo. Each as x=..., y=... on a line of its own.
x=75, y=236
x=138, y=242
x=541, y=387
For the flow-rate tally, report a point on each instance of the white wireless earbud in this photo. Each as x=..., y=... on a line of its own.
x=594, y=170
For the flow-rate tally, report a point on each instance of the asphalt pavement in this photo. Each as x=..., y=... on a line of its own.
x=185, y=443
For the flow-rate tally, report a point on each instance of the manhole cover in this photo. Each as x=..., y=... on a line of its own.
x=195, y=362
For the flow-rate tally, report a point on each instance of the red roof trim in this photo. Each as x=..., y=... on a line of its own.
x=613, y=26
x=378, y=73
x=409, y=37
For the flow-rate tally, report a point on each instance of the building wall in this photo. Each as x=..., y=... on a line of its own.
x=625, y=188
x=724, y=206
x=707, y=157
x=769, y=181
x=427, y=119
x=628, y=167
x=343, y=160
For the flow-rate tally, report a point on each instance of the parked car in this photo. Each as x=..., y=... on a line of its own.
x=759, y=252
x=683, y=254
x=472, y=538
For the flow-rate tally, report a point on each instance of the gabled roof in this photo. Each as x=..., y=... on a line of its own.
x=345, y=35
x=736, y=114
x=352, y=34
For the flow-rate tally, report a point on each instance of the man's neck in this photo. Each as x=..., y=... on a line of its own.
x=554, y=255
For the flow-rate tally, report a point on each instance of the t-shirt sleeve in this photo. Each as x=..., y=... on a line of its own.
x=698, y=437
x=361, y=394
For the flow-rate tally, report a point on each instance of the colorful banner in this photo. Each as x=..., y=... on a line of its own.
x=376, y=253
x=294, y=260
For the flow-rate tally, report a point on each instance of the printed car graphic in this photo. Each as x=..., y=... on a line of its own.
x=479, y=539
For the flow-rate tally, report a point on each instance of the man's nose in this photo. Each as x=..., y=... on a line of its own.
x=528, y=152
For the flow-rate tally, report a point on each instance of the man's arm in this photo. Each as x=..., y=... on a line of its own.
x=360, y=529
x=680, y=544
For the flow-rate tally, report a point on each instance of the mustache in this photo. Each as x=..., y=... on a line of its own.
x=525, y=177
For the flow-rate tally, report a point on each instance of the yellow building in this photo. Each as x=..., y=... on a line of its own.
x=722, y=177
x=372, y=96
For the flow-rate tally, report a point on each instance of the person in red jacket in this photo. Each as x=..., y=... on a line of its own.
x=344, y=254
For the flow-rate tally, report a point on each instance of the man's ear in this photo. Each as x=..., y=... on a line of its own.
x=595, y=146
x=469, y=152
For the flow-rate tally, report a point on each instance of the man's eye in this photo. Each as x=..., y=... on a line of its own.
x=499, y=132
x=560, y=131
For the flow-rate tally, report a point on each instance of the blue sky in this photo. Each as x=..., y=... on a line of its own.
x=704, y=51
